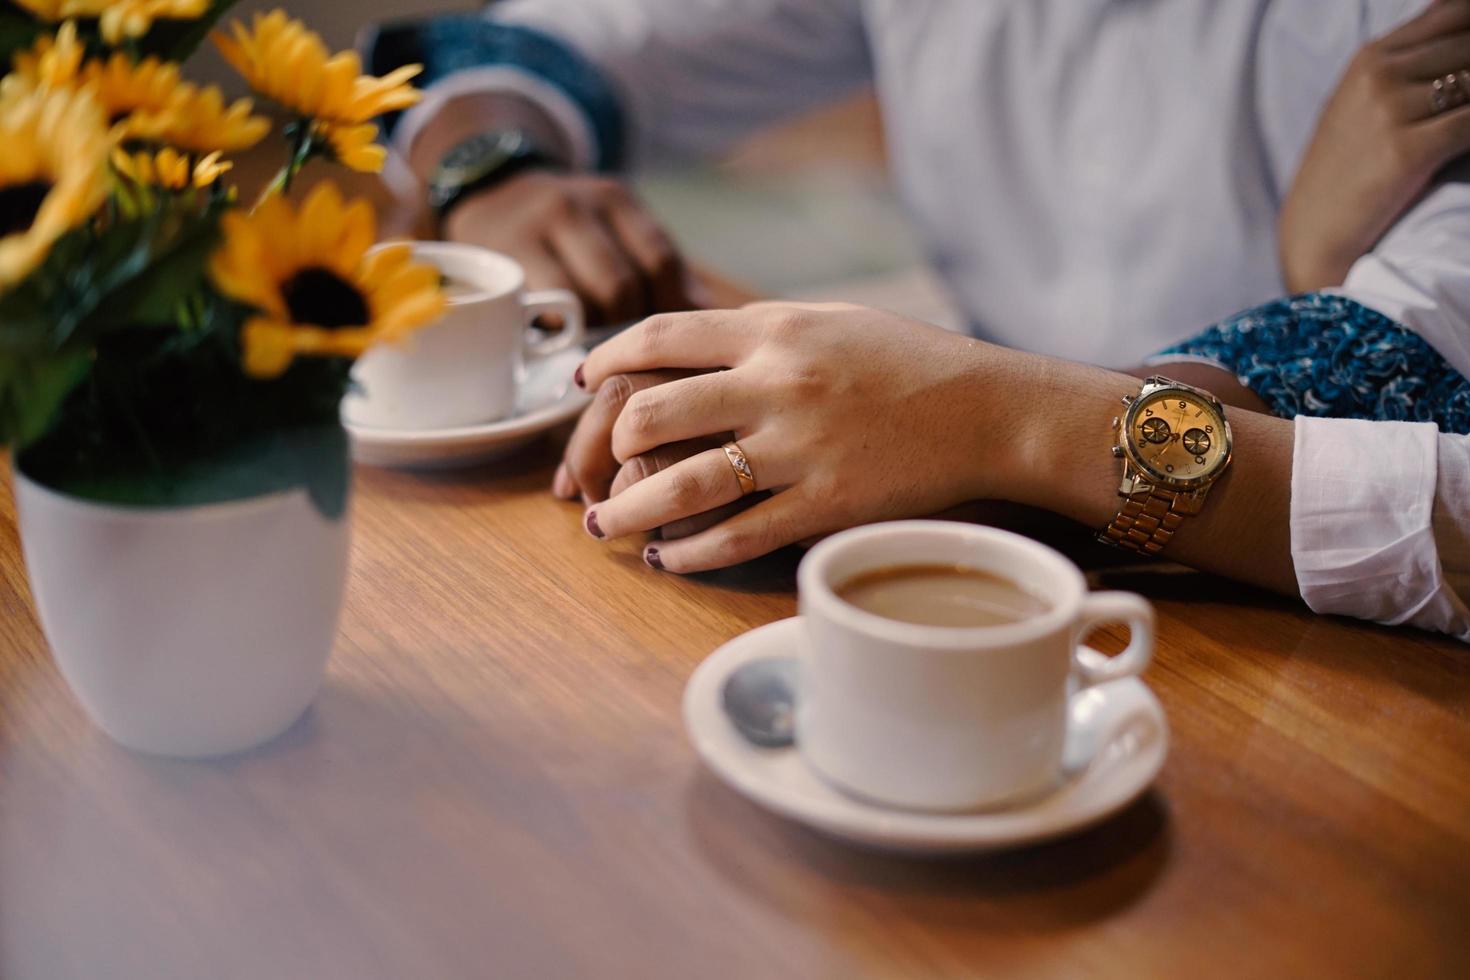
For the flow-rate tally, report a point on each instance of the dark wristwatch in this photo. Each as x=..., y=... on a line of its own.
x=480, y=162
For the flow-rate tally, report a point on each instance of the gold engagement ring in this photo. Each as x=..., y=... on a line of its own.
x=741, y=465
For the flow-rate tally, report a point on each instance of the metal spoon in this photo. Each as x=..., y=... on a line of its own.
x=760, y=698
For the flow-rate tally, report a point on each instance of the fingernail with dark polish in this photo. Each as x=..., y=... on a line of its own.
x=592, y=527
x=578, y=377
x=650, y=555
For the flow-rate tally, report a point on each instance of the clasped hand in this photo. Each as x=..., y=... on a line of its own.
x=846, y=414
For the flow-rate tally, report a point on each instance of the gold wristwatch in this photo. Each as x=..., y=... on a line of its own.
x=1174, y=443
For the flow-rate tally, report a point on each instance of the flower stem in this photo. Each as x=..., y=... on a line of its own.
x=302, y=137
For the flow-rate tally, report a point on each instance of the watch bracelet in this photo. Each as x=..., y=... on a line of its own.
x=1145, y=523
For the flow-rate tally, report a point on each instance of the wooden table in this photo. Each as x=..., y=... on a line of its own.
x=495, y=783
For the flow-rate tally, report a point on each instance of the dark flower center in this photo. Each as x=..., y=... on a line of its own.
x=19, y=204
x=321, y=297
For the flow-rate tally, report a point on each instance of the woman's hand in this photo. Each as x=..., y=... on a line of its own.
x=1378, y=143
x=849, y=414
x=588, y=469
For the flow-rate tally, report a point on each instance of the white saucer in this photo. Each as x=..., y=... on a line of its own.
x=1111, y=776
x=547, y=399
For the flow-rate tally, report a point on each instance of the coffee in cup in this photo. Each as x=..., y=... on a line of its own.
x=940, y=595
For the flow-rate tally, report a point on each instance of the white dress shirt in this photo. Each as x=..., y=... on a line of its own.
x=1093, y=179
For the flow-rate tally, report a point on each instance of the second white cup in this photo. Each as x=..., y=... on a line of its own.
x=467, y=367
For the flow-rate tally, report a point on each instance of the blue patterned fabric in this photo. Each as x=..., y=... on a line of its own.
x=1327, y=356
x=449, y=43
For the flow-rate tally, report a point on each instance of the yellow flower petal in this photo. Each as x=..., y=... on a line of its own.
x=169, y=169
x=54, y=11
x=209, y=169
x=267, y=348
x=124, y=19
x=355, y=147
x=53, y=61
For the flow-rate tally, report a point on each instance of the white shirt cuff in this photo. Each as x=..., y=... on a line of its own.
x=503, y=79
x=1362, y=534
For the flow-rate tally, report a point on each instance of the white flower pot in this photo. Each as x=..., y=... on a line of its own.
x=190, y=632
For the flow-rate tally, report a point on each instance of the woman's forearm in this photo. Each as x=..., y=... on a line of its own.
x=1063, y=463
x=856, y=415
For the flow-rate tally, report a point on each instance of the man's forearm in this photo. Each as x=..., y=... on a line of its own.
x=1243, y=531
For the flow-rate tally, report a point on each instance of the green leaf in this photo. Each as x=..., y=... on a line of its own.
x=169, y=274
x=133, y=274
x=32, y=391
x=40, y=313
x=326, y=466
x=25, y=322
x=56, y=301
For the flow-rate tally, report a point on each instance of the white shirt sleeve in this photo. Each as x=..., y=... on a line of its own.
x=1419, y=272
x=1380, y=522
x=694, y=75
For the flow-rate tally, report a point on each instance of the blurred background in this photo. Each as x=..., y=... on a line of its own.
x=802, y=211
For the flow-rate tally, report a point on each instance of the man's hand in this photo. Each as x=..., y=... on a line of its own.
x=589, y=470
x=580, y=232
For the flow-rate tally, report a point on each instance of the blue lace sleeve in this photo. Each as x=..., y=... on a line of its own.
x=1325, y=355
x=447, y=43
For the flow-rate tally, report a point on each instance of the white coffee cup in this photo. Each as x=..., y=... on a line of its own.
x=466, y=367
x=942, y=717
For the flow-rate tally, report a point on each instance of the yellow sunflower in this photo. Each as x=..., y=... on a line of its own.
x=170, y=169
x=317, y=290
x=53, y=61
x=53, y=174
x=283, y=60
x=355, y=147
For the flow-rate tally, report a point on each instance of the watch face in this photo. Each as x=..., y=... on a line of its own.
x=1177, y=437
x=472, y=157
